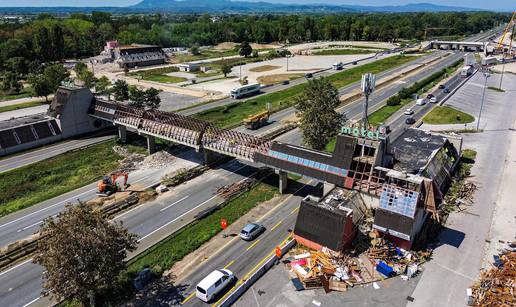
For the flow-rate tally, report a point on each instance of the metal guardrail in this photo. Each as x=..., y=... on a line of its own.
x=251, y=279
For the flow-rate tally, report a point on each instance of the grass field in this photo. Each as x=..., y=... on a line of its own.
x=343, y=51
x=21, y=106
x=205, y=54
x=24, y=94
x=23, y=187
x=164, y=79
x=232, y=115
x=382, y=114
x=447, y=115
x=264, y=68
x=163, y=255
x=273, y=79
x=159, y=75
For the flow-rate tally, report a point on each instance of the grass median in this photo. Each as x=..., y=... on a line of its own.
x=19, y=106
x=232, y=115
x=163, y=255
x=343, y=51
x=447, y=115
x=26, y=186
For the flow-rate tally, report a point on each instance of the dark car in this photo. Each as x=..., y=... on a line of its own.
x=309, y=75
x=285, y=82
x=410, y=121
x=251, y=231
x=446, y=91
x=442, y=86
x=355, y=63
x=429, y=96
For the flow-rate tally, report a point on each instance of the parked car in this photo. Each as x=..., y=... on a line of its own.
x=408, y=112
x=433, y=100
x=285, y=82
x=446, y=91
x=442, y=86
x=309, y=75
x=410, y=121
x=213, y=284
x=251, y=231
x=421, y=102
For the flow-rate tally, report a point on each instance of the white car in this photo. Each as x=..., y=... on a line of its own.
x=421, y=102
x=433, y=99
x=408, y=112
x=212, y=284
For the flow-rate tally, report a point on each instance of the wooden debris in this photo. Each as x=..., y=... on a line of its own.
x=497, y=286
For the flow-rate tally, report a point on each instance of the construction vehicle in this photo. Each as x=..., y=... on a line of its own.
x=256, y=121
x=109, y=184
x=501, y=46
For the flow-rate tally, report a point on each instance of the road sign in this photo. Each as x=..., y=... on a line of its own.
x=223, y=224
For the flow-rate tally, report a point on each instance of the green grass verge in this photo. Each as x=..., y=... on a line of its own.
x=163, y=255
x=343, y=51
x=233, y=114
x=496, y=89
x=469, y=154
x=447, y=115
x=23, y=187
x=164, y=79
x=159, y=75
x=21, y=106
x=24, y=94
x=382, y=114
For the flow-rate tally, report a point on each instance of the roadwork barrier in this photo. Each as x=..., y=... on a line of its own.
x=248, y=280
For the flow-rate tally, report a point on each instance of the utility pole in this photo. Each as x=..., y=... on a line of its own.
x=367, y=85
x=486, y=75
x=287, y=62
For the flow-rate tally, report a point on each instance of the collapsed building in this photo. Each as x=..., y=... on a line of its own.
x=401, y=181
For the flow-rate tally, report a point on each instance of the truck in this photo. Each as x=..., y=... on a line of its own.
x=489, y=60
x=338, y=66
x=246, y=90
x=256, y=121
x=466, y=71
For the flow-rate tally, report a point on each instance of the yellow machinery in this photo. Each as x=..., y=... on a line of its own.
x=256, y=121
x=500, y=47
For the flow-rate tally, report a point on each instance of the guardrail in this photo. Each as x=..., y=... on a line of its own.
x=249, y=280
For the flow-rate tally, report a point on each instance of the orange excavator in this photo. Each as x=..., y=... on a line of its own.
x=109, y=184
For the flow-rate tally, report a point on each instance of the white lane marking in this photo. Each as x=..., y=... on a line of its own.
x=33, y=301
x=16, y=266
x=177, y=218
x=178, y=201
x=30, y=226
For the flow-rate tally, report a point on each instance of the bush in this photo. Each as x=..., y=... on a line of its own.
x=393, y=100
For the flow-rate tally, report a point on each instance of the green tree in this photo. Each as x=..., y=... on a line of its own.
x=88, y=78
x=194, y=50
x=82, y=252
x=245, y=49
x=152, y=99
x=80, y=67
x=58, y=44
x=43, y=44
x=226, y=69
x=121, y=90
x=136, y=97
x=103, y=87
x=40, y=85
x=10, y=83
x=48, y=81
x=316, y=108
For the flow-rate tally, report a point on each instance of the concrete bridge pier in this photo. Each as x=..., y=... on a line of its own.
x=209, y=156
x=151, y=144
x=122, y=133
x=283, y=181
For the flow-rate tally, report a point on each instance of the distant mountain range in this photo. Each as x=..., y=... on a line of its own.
x=227, y=6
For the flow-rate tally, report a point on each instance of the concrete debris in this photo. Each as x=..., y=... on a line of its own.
x=130, y=160
x=230, y=190
x=160, y=159
x=497, y=286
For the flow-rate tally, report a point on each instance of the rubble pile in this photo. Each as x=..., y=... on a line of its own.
x=335, y=271
x=497, y=286
x=159, y=159
x=230, y=190
x=130, y=160
x=461, y=196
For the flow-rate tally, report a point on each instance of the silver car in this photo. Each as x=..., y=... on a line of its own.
x=251, y=231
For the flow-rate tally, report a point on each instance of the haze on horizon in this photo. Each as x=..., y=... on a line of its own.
x=505, y=5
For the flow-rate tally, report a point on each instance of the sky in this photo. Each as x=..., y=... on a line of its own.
x=505, y=5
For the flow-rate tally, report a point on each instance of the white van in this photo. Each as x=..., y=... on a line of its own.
x=421, y=102
x=212, y=284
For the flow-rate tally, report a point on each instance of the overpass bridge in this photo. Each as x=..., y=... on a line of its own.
x=460, y=45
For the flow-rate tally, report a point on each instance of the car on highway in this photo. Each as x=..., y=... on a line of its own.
x=433, y=100
x=446, y=91
x=309, y=75
x=410, y=121
x=354, y=63
x=408, y=112
x=421, y=102
x=251, y=231
x=213, y=284
x=285, y=82
x=429, y=96
x=442, y=86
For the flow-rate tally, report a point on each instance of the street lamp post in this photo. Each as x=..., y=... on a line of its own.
x=486, y=75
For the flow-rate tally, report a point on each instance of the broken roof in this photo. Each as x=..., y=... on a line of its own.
x=415, y=148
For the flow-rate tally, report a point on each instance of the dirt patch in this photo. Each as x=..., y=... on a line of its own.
x=184, y=267
x=264, y=68
x=273, y=79
x=225, y=46
x=265, y=46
